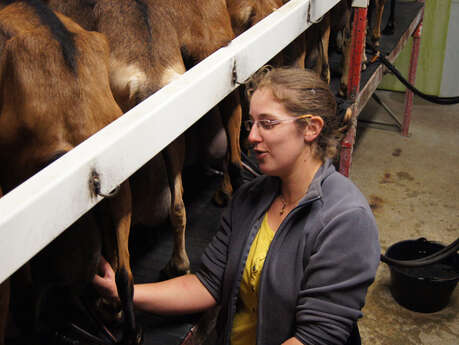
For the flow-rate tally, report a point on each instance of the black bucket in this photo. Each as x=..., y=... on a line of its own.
x=424, y=289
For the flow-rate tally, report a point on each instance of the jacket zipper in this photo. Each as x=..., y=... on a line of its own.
x=281, y=228
x=237, y=283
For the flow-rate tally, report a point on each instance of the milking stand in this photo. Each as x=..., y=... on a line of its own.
x=362, y=84
x=151, y=248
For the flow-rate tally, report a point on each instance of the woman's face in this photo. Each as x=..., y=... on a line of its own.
x=280, y=147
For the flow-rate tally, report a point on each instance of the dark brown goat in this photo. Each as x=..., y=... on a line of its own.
x=54, y=94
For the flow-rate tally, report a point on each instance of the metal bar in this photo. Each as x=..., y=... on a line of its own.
x=369, y=89
x=37, y=211
x=347, y=146
x=388, y=110
x=357, y=49
x=411, y=79
x=371, y=122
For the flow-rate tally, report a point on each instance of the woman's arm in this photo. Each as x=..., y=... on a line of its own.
x=292, y=341
x=181, y=295
x=343, y=265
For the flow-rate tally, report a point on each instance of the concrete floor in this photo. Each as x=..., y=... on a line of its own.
x=412, y=184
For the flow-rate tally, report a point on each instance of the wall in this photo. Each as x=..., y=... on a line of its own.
x=450, y=78
x=436, y=74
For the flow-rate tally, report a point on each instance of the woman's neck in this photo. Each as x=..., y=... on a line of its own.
x=295, y=185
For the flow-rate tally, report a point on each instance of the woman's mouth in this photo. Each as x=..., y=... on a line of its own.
x=259, y=154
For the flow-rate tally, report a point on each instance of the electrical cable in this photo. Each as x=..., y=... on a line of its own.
x=391, y=67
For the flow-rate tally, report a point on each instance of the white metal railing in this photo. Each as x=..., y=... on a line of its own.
x=37, y=211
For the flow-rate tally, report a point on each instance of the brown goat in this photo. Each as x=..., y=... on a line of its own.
x=201, y=27
x=152, y=43
x=375, y=14
x=340, y=33
x=317, y=40
x=156, y=187
x=54, y=94
x=246, y=13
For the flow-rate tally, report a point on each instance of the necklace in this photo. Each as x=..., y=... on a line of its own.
x=284, y=203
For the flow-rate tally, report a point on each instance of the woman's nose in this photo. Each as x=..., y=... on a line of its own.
x=254, y=134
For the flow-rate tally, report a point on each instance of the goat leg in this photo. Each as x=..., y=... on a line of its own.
x=132, y=335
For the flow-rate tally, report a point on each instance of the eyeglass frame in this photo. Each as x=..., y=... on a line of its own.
x=268, y=124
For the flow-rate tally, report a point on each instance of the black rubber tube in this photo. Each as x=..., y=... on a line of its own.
x=428, y=260
x=430, y=98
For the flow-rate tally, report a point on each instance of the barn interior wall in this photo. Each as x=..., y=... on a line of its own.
x=436, y=39
x=449, y=81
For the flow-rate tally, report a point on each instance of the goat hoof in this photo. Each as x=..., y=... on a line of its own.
x=134, y=339
x=139, y=336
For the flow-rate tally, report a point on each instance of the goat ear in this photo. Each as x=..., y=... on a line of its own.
x=313, y=128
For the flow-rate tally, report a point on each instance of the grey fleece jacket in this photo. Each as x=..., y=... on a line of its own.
x=316, y=273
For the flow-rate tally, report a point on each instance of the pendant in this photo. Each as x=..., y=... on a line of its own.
x=284, y=204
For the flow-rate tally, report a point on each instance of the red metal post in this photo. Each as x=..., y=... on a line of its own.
x=345, y=156
x=411, y=79
x=353, y=85
x=357, y=49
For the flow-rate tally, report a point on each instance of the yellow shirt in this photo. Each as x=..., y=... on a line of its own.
x=244, y=330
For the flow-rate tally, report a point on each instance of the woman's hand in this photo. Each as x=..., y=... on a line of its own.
x=104, y=280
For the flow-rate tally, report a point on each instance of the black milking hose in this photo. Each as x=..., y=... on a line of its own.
x=428, y=260
x=430, y=98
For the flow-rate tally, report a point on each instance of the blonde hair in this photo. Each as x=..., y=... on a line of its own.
x=301, y=91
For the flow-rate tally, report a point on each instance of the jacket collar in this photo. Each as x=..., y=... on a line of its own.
x=315, y=188
x=271, y=185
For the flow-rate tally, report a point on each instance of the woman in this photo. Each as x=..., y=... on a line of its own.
x=298, y=246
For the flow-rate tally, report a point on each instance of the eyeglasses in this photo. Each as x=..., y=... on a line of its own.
x=269, y=124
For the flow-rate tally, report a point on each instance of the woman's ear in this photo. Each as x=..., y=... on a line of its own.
x=313, y=128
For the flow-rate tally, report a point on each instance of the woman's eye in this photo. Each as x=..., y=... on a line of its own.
x=267, y=124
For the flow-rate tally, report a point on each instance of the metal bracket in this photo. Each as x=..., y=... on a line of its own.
x=234, y=75
x=309, y=20
x=94, y=185
x=360, y=3
x=385, y=125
